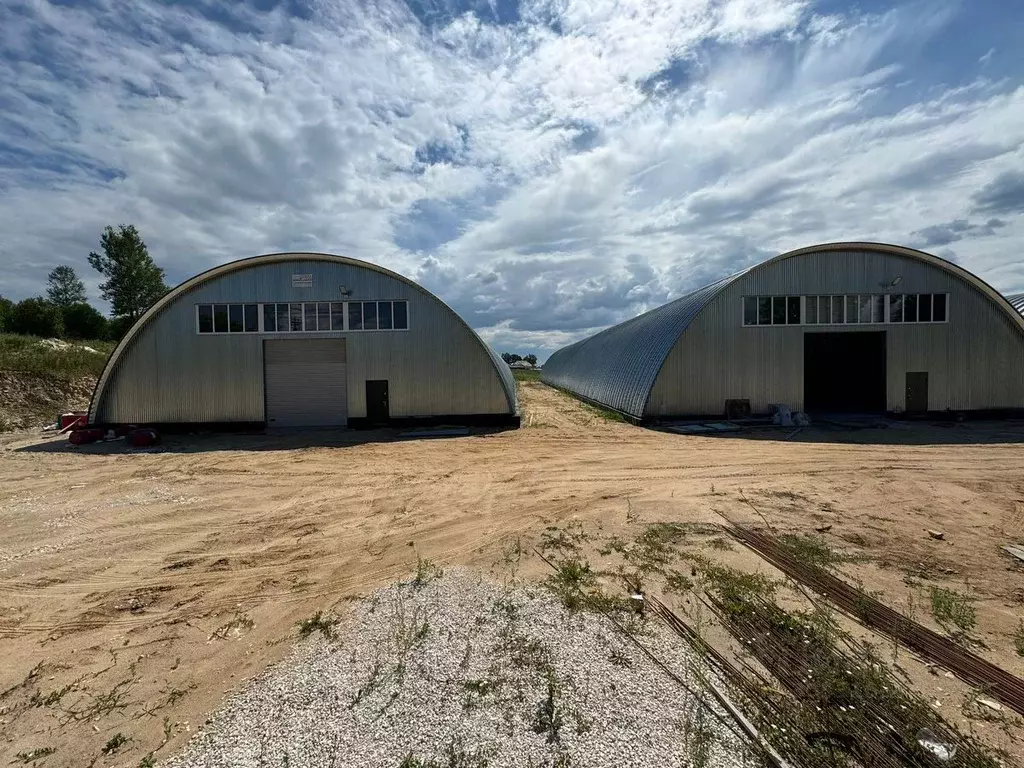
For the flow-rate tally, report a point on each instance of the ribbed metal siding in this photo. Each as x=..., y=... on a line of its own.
x=169, y=373
x=306, y=382
x=974, y=361
x=1017, y=300
x=617, y=367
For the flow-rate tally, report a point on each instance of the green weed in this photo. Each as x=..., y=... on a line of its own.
x=318, y=622
x=35, y=754
x=814, y=550
x=952, y=609
x=114, y=743
x=426, y=572
x=27, y=354
x=1018, y=639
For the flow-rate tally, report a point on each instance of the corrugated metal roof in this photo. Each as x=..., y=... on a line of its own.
x=618, y=366
x=503, y=371
x=1017, y=300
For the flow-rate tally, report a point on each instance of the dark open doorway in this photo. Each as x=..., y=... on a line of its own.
x=844, y=372
x=378, y=406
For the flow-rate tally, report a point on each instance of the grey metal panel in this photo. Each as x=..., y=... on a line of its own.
x=617, y=367
x=306, y=382
x=163, y=371
x=1017, y=300
x=690, y=355
x=974, y=361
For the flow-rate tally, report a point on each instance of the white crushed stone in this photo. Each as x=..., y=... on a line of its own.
x=361, y=700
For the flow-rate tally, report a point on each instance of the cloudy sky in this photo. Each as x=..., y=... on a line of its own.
x=548, y=167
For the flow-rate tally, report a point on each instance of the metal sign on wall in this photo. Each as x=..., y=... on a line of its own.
x=302, y=281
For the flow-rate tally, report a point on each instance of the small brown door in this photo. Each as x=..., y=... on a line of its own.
x=917, y=392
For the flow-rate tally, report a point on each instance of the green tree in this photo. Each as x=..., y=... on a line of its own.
x=134, y=281
x=65, y=287
x=82, y=321
x=37, y=317
x=531, y=359
x=510, y=357
x=118, y=327
x=6, y=307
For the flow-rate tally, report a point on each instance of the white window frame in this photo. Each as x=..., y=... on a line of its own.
x=229, y=304
x=886, y=319
x=261, y=325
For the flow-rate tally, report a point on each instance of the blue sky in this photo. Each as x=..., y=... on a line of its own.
x=548, y=167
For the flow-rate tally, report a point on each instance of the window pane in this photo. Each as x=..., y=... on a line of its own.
x=401, y=315
x=310, y=312
x=355, y=315
x=370, y=315
x=323, y=316
x=205, y=318
x=283, y=321
x=811, y=309
x=895, y=308
x=852, y=311
x=295, y=312
x=749, y=310
x=269, y=318
x=220, y=318
x=252, y=318
x=764, y=310
x=924, y=307
x=779, y=310
x=337, y=316
x=910, y=308
x=824, y=309
x=939, y=308
x=865, y=309
x=837, y=309
x=384, y=315
x=878, y=309
x=235, y=317
x=793, y=312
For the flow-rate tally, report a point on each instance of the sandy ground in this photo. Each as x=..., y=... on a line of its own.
x=136, y=589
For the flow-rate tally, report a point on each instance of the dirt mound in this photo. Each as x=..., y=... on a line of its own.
x=30, y=400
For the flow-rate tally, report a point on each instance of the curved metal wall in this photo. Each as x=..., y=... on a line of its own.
x=617, y=367
x=1017, y=300
x=620, y=366
x=163, y=371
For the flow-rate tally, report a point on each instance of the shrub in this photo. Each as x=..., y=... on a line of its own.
x=37, y=317
x=118, y=327
x=82, y=321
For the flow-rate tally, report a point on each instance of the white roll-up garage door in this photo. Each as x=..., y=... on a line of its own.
x=306, y=382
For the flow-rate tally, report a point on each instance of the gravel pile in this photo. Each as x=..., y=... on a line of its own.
x=461, y=672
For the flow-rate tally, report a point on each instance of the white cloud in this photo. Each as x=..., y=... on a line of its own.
x=546, y=177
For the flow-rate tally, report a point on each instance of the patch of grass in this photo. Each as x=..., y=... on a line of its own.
x=738, y=590
x=238, y=624
x=677, y=582
x=114, y=743
x=35, y=754
x=318, y=622
x=698, y=735
x=604, y=413
x=426, y=572
x=549, y=717
x=814, y=550
x=567, y=539
x=612, y=544
x=148, y=761
x=455, y=756
x=520, y=374
x=719, y=543
x=655, y=547
x=953, y=609
x=29, y=354
x=570, y=581
x=1018, y=639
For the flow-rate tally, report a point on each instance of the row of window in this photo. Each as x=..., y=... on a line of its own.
x=303, y=316
x=845, y=309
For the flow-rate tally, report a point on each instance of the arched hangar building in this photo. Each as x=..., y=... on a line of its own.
x=840, y=327
x=302, y=339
